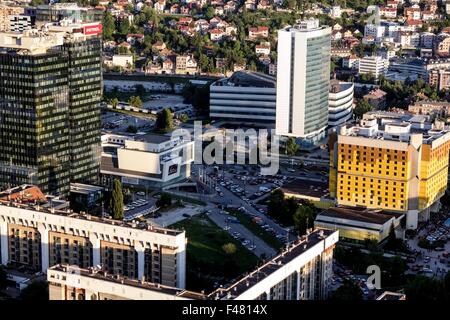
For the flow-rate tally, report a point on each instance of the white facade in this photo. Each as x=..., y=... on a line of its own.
x=427, y=40
x=146, y=159
x=351, y=62
x=303, y=78
x=244, y=97
x=307, y=276
x=19, y=23
x=97, y=286
x=336, y=12
x=122, y=60
x=340, y=103
x=303, y=271
x=96, y=230
x=376, y=31
x=374, y=65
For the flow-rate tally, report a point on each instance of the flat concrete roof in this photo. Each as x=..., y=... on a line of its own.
x=152, y=138
x=307, y=188
x=359, y=214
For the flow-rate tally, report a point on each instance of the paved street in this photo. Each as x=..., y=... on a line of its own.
x=175, y=215
x=261, y=246
x=433, y=262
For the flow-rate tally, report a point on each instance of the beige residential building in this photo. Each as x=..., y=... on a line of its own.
x=439, y=79
x=41, y=235
x=5, y=13
x=303, y=271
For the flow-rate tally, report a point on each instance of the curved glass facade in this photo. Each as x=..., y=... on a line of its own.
x=317, y=83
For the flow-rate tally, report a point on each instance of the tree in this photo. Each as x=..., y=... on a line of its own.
x=140, y=89
x=447, y=284
x=109, y=26
x=361, y=108
x=229, y=248
x=424, y=289
x=35, y=291
x=332, y=66
x=291, y=146
x=3, y=278
x=349, y=291
x=116, y=204
x=303, y=219
x=209, y=13
x=114, y=102
x=35, y=3
x=135, y=101
x=165, y=200
x=124, y=26
x=132, y=129
x=164, y=121
x=184, y=117
x=276, y=202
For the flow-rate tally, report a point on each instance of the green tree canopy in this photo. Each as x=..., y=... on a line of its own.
x=291, y=146
x=423, y=289
x=165, y=200
x=124, y=26
x=229, y=248
x=116, y=203
x=362, y=106
x=303, y=218
x=164, y=121
x=114, y=102
x=209, y=12
x=349, y=291
x=35, y=291
x=135, y=101
x=109, y=26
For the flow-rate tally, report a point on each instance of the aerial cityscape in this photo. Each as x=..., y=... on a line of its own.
x=204, y=150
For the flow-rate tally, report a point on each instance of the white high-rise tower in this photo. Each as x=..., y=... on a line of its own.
x=303, y=80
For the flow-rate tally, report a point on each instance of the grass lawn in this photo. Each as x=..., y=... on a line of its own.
x=257, y=230
x=207, y=262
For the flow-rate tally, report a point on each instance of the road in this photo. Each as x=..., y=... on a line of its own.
x=176, y=215
x=261, y=246
x=439, y=268
x=235, y=200
x=232, y=199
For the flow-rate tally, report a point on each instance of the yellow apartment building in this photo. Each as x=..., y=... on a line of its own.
x=389, y=161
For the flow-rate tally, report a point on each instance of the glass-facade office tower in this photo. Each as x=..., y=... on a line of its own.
x=49, y=110
x=303, y=80
x=34, y=113
x=85, y=87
